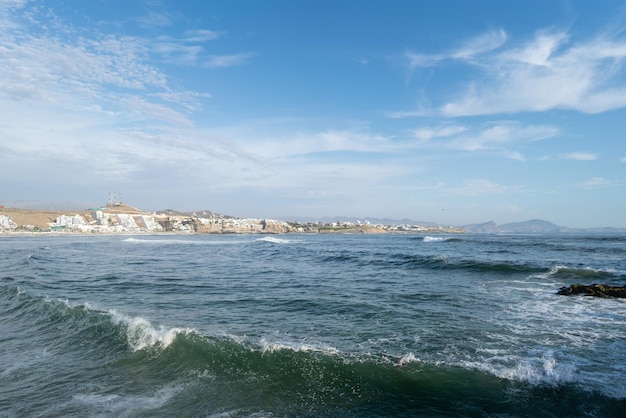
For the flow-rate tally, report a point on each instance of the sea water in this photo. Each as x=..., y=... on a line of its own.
x=310, y=326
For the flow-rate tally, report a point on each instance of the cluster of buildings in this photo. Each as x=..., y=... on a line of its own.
x=125, y=219
x=105, y=221
x=99, y=221
x=6, y=223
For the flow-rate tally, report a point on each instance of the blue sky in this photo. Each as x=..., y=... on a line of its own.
x=453, y=112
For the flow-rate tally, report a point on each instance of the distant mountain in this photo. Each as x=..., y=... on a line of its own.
x=484, y=228
x=534, y=226
x=526, y=227
x=531, y=226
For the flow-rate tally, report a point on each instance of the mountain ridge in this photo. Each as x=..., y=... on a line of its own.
x=536, y=226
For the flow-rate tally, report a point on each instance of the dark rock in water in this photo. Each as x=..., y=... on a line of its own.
x=598, y=290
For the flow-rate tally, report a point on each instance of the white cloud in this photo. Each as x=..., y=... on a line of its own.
x=500, y=135
x=479, y=187
x=185, y=50
x=201, y=35
x=550, y=71
x=469, y=49
x=538, y=52
x=422, y=60
x=12, y=4
x=150, y=110
x=177, y=53
x=218, y=61
x=622, y=160
x=94, y=72
x=580, y=156
x=321, y=142
x=438, y=132
x=598, y=182
x=514, y=155
x=187, y=99
x=480, y=44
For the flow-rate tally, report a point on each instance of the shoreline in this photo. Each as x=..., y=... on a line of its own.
x=127, y=220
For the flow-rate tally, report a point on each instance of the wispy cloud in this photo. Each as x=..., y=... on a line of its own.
x=93, y=72
x=426, y=134
x=498, y=135
x=469, y=50
x=188, y=49
x=201, y=35
x=12, y=4
x=580, y=156
x=503, y=136
x=479, y=187
x=154, y=18
x=220, y=61
x=322, y=142
x=598, y=182
x=549, y=71
x=480, y=44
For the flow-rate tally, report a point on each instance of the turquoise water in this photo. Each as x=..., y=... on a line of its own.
x=310, y=325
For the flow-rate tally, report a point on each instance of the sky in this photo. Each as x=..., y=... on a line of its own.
x=453, y=112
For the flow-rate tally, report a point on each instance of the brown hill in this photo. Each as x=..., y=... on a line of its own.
x=42, y=218
x=38, y=218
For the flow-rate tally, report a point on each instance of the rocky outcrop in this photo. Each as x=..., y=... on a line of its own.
x=598, y=290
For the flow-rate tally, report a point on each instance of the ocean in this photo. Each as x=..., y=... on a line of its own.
x=310, y=325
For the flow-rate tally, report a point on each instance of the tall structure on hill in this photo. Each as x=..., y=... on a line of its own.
x=115, y=199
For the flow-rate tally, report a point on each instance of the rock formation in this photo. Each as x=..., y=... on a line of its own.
x=598, y=290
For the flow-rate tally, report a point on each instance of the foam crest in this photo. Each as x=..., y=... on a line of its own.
x=546, y=370
x=582, y=273
x=436, y=239
x=407, y=359
x=141, y=334
x=271, y=347
x=275, y=240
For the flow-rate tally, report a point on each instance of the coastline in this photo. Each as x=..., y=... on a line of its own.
x=127, y=220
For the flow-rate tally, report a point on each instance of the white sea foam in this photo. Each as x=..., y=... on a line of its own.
x=275, y=240
x=270, y=347
x=141, y=334
x=124, y=405
x=408, y=358
x=581, y=270
x=544, y=370
x=435, y=239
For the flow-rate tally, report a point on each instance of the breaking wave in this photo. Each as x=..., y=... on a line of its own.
x=275, y=240
x=285, y=377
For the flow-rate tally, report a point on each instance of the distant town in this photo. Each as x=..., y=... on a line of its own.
x=119, y=218
x=116, y=217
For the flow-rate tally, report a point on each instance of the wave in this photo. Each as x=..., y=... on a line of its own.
x=275, y=240
x=435, y=239
x=209, y=374
x=443, y=262
x=81, y=320
x=175, y=241
x=440, y=239
x=579, y=273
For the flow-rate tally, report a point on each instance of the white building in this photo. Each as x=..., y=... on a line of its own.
x=6, y=223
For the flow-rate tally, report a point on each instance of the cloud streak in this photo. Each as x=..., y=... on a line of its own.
x=580, y=156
